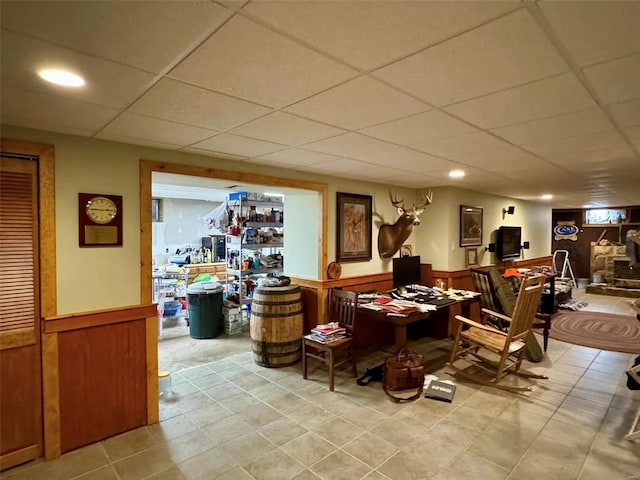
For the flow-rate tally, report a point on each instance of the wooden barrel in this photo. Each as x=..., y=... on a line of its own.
x=276, y=325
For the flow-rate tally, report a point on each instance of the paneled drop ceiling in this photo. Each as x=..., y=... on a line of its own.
x=526, y=97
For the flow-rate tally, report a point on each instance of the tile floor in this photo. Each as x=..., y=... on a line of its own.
x=232, y=419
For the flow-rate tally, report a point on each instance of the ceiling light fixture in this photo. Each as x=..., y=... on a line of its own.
x=456, y=173
x=63, y=78
x=547, y=196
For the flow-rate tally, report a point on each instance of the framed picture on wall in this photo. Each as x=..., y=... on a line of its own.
x=353, y=228
x=471, y=257
x=470, y=226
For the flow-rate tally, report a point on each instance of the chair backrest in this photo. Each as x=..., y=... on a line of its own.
x=343, y=307
x=482, y=283
x=526, y=307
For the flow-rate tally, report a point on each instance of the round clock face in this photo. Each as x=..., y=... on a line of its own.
x=101, y=210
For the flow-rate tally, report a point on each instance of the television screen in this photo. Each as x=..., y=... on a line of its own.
x=509, y=242
x=406, y=271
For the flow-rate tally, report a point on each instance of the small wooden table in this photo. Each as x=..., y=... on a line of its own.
x=459, y=307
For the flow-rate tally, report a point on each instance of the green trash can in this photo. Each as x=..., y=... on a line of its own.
x=204, y=303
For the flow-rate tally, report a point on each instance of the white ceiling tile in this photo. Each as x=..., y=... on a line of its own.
x=337, y=167
x=297, y=157
x=551, y=128
x=357, y=104
x=405, y=158
x=506, y=52
x=286, y=129
x=144, y=34
x=416, y=180
x=179, y=102
x=136, y=141
x=47, y=112
x=540, y=99
x=627, y=114
x=369, y=34
x=595, y=31
x=156, y=130
x=213, y=153
x=433, y=125
x=237, y=145
x=107, y=83
x=499, y=160
x=583, y=148
x=634, y=135
x=618, y=80
x=471, y=142
x=348, y=145
x=249, y=61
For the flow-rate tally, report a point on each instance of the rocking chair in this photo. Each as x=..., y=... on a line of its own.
x=507, y=348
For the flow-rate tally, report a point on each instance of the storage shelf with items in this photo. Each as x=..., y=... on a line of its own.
x=254, y=244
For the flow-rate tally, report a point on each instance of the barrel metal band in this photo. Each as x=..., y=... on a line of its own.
x=275, y=315
x=258, y=301
x=263, y=350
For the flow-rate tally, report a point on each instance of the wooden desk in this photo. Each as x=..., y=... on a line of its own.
x=461, y=307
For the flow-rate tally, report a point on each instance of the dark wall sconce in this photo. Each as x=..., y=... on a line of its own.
x=491, y=247
x=510, y=210
x=525, y=245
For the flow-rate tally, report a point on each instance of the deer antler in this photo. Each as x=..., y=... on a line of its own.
x=428, y=198
x=395, y=202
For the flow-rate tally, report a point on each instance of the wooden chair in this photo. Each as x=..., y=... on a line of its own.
x=483, y=283
x=342, y=308
x=507, y=348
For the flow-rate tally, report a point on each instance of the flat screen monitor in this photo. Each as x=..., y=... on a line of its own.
x=509, y=242
x=406, y=271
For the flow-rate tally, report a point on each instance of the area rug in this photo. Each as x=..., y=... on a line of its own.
x=617, y=333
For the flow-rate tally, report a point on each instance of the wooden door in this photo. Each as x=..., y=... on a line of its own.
x=20, y=371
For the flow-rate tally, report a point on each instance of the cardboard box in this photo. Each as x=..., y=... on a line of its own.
x=232, y=320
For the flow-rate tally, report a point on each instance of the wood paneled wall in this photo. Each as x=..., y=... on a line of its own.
x=105, y=373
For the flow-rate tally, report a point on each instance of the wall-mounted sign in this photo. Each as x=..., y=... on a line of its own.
x=566, y=231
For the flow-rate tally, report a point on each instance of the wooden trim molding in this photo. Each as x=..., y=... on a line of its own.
x=19, y=456
x=76, y=321
x=153, y=407
x=51, y=395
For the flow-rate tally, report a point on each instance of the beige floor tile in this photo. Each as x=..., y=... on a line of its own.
x=374, y=475
x=260, y=414
x=78, y=462
x=467, y=465
x=338, y=431
x=305, y=475
x=187, y=446
x=208, y=465
x=128, y=443
x=144, y=464
x=248, y=448
x=207, y=381
x=239, y=402
x=173, y=473
x=195, y=401
x=310, y=417
x=370, y=449
x=195, y=372
x=237, y=473
x=282, y=431
x=222, y=392
x=168, y=411
x=182, y=389
x=549, y=460
x=502, y=454
x=288, y=402
x=204, y=416
x=268, y=391
x=171, y=428
x=340, y=466
x=275, y=465
x=226, y=430
x=418, y=413
x=517, y=434
x=103, y=473
x=364, y=417
x=308, y=448
x=472, y=418
x=454, y=433
x=403, y=466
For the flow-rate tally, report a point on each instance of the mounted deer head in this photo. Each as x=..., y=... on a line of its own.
x=391, y=237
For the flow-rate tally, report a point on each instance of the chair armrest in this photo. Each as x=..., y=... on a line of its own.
x=496, y=314
x=471, y=323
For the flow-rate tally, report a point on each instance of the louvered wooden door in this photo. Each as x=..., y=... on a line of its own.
x=20, y=369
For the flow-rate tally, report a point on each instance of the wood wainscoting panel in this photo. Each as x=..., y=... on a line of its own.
x=20, y=407
x=103, y=382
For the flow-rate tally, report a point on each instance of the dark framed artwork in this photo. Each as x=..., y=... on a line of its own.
x=470, y=226
x=353, y=227
x=471, y=257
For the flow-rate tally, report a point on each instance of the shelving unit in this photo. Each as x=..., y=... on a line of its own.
x=248, y=254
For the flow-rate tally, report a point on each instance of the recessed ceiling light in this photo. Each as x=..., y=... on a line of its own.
x=547, y=196
x=61, y=77
x=456, y=173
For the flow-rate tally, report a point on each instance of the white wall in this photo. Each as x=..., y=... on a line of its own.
x=440, y=245
x=182, y=224
x=97, y=278
x=302, y=234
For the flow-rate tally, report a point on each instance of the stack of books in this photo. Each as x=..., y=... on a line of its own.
x=327, y=333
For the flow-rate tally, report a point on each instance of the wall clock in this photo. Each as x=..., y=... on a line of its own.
x=100, y=220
